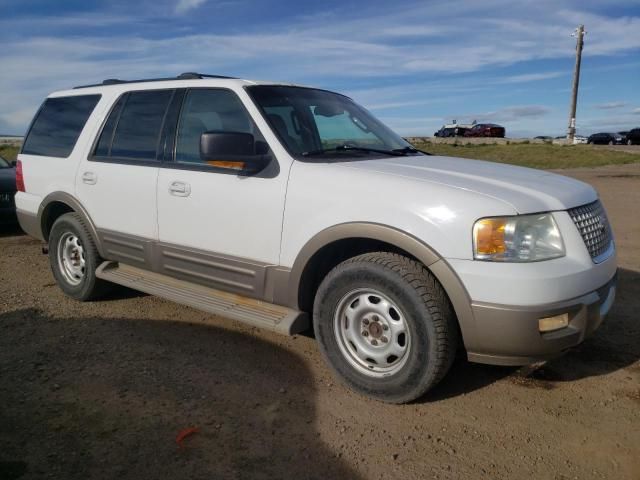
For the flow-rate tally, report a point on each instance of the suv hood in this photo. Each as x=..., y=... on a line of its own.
x=527, y=190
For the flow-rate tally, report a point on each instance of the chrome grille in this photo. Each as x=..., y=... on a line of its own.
x=592, y=223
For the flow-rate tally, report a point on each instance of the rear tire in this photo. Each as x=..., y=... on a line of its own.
x=385, y=326
x=74, y=259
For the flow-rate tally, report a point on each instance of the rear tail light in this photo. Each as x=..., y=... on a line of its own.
x=19, y=177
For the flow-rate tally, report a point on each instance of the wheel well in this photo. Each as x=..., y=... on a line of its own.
x=325, y=259
x=50, y=214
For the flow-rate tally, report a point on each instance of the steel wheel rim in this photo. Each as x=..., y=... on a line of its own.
x=372, y=333
x=71, y=258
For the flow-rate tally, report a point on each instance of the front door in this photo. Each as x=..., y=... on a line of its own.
x=217, y=227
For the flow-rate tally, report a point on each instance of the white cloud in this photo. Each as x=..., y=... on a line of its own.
x=532, y=77
x=445, y=46
x=508, y=114
x=185, y=5
x=610, y=105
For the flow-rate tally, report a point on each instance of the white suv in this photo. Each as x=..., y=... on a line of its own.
x=282, y=206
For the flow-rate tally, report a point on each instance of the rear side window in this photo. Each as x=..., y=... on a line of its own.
x=133, y=127
x=103, y=149
x=58, y=124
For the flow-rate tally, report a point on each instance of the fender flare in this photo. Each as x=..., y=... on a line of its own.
x=437, y=265
x=76, y=206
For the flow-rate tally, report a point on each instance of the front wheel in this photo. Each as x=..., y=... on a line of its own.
x=385, y=326
x=74, y=259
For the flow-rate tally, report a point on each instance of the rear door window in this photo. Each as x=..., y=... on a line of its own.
x=58, y=124
x=134, y=124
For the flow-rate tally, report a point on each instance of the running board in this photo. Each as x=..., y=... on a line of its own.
x=243, y=309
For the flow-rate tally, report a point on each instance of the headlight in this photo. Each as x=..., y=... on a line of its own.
x=522, y=238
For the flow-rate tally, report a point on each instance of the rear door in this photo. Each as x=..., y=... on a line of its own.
x=117, y=183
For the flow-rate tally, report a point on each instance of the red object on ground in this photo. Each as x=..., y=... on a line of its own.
x=184, y=434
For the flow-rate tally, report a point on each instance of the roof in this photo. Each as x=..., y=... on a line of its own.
x=188, y=79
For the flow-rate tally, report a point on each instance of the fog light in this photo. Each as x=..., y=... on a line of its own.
x=553, y=323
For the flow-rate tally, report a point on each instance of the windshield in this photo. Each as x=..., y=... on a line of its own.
x=4, y=163
x=310, y=121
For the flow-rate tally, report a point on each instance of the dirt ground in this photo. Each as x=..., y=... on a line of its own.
x=101, y=390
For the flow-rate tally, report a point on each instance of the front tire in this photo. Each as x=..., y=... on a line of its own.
x=385, y=326
x=74, y=259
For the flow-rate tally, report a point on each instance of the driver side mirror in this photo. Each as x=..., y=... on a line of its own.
x=234, y=151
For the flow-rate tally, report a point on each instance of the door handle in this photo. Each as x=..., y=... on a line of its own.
x=180, y=189
x=89, y=178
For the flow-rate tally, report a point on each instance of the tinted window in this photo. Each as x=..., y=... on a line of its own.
x=58, y=124
x=104, y=144
x=138, y=127
x=209, y=110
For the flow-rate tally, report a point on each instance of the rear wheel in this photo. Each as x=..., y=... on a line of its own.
x=74, y=259
x=610, y=142
x=385, y=326
x=629, y=142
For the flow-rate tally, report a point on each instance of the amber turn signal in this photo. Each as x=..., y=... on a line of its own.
x=226, y=164
x=488, y=234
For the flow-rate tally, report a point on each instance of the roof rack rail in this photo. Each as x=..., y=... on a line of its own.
x=182, y=76
x=112, y=81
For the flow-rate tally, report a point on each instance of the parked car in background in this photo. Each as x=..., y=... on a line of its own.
x=633, y=136
x=7, y=192
x=485, y=130
x=445, y=132
x=605, y=138
x=546, y=138
x=452, y=130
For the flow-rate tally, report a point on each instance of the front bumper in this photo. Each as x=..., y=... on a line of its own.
x=509, y=335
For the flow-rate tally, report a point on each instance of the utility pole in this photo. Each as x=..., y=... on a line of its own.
x=579, y=34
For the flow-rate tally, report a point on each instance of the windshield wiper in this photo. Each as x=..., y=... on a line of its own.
x=406, y=150
x=346, y=148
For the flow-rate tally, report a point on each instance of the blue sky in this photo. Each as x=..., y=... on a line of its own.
x=416, y=65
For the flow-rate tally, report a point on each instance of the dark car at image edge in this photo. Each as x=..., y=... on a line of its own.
x=633, y=136
x=7, y=193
